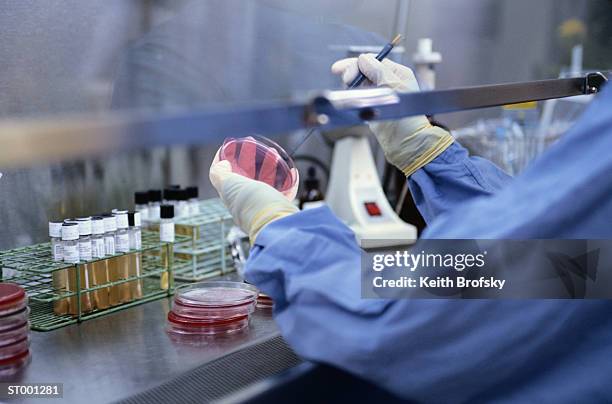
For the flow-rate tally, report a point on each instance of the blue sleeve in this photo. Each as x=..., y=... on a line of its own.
x=453, y=178
x=458, y=350
x=425, y=350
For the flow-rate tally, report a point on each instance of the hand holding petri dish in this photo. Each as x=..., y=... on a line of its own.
x=261, y=159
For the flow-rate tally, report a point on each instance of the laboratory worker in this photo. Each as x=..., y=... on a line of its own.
x=443, y=350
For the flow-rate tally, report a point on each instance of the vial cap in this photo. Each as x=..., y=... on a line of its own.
x=170, y=194
x=84, y=226
x=122, y=219
x=55, y=229
x=134, y=219
x=192, y=192
x=155, y=195
x=110, y=223
x=181, y=195
x=97, y=225
x=70, y=231
x=141, y=198
x=166, y=212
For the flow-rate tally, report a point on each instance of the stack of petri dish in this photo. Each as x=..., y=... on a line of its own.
x=211, y=308
x=264, y=301
x=14, y=329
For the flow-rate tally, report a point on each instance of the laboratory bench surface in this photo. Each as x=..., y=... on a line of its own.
x=114, y=357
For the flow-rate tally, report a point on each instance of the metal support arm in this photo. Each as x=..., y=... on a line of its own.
x=30, y=142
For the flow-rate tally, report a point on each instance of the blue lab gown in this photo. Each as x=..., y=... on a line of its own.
x=458, y=350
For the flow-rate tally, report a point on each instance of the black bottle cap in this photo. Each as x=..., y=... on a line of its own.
x=192, y=192
x=170, y=194
x=131, y=220
x=155, y=195
x=181, y=194
x=166, y=212
x=141, y=198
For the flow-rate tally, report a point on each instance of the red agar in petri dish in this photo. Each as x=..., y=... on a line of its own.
x=262, y=159
x=189, y=326
x=212, y=307
x=12, y=298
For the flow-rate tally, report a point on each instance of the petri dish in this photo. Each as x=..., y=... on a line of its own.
x=215, y=294
x=13, y=365
x=12, y=335
x=15, y=319
x=12, y=298
x=212, y=312
x=16, y=348
x=262, y=159
x=189, y=326
x=264, y=301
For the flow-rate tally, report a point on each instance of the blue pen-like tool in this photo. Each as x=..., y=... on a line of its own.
x=357, y=81
x=381, y=55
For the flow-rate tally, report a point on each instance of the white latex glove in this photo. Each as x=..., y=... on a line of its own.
x=408, y=143
x=252, y=204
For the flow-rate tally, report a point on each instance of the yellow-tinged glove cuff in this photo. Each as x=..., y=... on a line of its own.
x=439, y=140
x=269, y=214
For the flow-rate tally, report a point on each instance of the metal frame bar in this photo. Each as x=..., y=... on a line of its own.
x=26, y=143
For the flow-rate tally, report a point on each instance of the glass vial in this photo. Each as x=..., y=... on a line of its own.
x=122, y=243
x=55, y=233
x=134, y=222
x=182, y=206
x=70, y=252
x=84, y=267
x=141, y=204
x=110, y=228
x=99, y=273
x=193, y=202
x=166, y=235
x=155, y=197
x=60, y=277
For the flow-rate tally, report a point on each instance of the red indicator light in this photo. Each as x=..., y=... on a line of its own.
x=372, y=209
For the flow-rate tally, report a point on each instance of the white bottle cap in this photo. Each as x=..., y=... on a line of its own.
x=55, y=229
x=110, y=223
x=97, y=225
x=70, y=231
x=84, y=226
x=122, y=219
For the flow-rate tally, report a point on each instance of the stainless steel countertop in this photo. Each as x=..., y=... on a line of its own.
x=116, y=356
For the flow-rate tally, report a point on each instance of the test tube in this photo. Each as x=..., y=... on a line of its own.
x=99, y=274
x=84, y=267
x=110, y=228
x=122, y=243
x=166, y=234
x=134, y=222
x=70, y=252
x=59, y=277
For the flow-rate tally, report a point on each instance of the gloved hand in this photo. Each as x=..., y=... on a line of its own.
x=253, y=204
x=408, y=143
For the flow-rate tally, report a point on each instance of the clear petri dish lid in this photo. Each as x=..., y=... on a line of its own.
x=262, y=159
x=215, y=294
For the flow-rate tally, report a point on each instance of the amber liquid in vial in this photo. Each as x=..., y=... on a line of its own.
x=83, y=284
x=136, y=272
x=113, y=276
x=167, y=253
x=60, y=285
x=99, y=277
